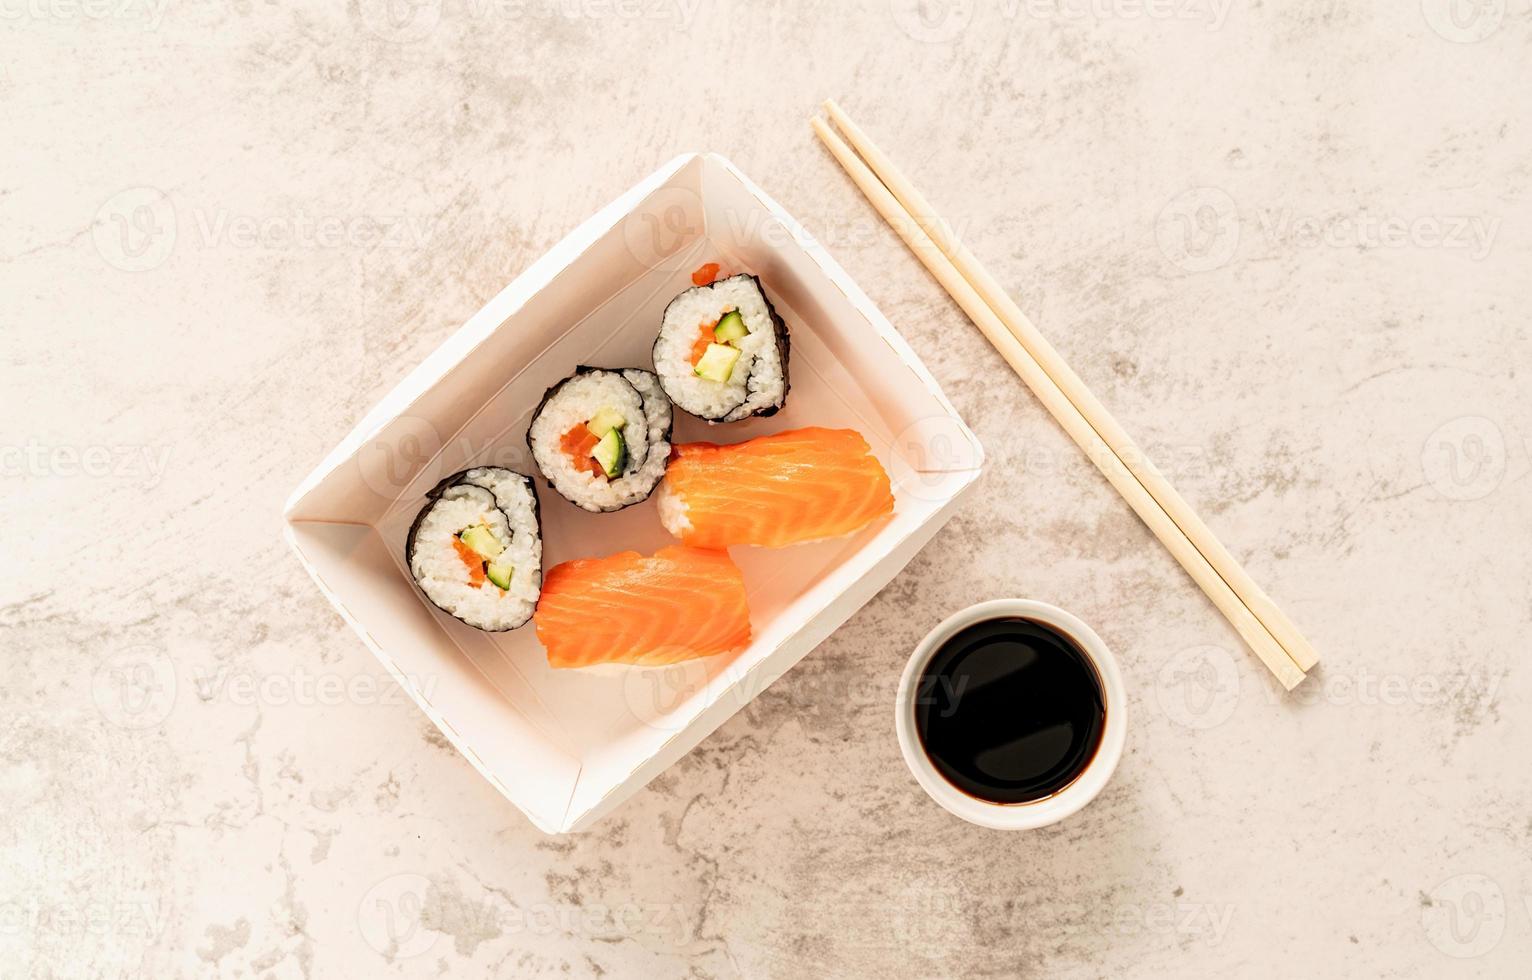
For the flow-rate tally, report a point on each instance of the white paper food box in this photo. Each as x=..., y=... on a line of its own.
x=567, y=746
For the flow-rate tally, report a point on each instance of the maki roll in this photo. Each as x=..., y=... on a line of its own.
x=602, y=438
x=476, y=549
x=722, y=351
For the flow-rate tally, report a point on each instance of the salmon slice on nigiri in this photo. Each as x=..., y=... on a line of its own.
x=678, y=604
x=776, y=490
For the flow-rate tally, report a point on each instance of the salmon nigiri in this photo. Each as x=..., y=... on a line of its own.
x=800, y=485
x=679, y=604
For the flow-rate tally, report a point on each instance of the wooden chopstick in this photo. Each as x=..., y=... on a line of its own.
x=1058, y=369
x=1065, y=412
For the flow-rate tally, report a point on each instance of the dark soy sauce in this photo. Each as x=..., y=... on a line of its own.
x=1010, y=710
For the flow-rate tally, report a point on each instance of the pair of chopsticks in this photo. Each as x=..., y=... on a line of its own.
x=1259, y=622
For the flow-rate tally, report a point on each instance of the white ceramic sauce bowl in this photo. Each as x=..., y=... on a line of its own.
x=1015, y=816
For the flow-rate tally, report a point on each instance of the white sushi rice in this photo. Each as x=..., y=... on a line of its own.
x=672, y=509
x=514, y=498
x=503, y=502
x=638, y=397
x=757, y=380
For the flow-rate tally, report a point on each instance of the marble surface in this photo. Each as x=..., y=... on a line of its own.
x=1287, y=243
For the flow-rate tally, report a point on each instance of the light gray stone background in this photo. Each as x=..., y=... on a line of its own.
x=1287, y=243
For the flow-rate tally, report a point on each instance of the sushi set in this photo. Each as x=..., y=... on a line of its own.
x=698, y=566
x=601, y=437
x=649, y=476
x=613, y=454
